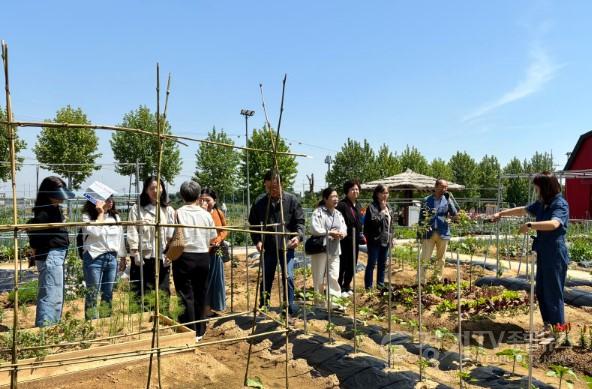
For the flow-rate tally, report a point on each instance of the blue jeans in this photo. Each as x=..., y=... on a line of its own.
x=271, y=261
x=99, y=275
x=50, y=293
x=376, y=256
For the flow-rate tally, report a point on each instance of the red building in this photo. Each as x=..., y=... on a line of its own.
x=578, y=191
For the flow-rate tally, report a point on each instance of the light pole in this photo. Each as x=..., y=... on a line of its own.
x=247, y=113
x=328, y=161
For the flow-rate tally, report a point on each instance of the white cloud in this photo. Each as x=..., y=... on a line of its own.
x=540, y=71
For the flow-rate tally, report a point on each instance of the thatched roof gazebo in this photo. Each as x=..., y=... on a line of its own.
x=409, y=181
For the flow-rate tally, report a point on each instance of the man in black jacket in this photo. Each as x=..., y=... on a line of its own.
x=272, y=247
x=351, y=211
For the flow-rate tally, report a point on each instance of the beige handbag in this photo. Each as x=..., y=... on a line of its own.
x=176, y=246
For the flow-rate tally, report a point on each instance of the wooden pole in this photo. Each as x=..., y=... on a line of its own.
x=176, y=138
x=531, y=318
x=460, y=340
x=11, y=136
x=158, y=235
x=355, y=324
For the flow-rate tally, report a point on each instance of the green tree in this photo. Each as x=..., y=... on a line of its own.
x=516, y=189
x=217, y=166
x=464, y=172
x=412, y=159
x=386, y=163
x=540, y=162
x=261, y=162
x=70, y=146
x=488, y=173
x=440, y=169
x=355, y=160
x=19, y=145
x=130, y=147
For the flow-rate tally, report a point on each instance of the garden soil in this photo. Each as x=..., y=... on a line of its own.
x=315, y=360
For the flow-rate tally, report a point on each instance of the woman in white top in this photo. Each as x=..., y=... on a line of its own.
x=142, y=239
x=190, y=270
x=327, y=221
x=102, y=245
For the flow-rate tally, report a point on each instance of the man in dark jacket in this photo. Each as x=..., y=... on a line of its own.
x=351, y=211
x=273, y=247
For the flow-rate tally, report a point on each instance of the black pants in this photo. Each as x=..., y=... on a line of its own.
x=346, y=264
x=190, y=274
x=149, y=278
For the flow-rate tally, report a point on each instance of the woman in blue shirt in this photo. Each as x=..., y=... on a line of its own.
x=552, y=214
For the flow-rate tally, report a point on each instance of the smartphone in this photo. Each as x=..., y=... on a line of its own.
x=90, y=198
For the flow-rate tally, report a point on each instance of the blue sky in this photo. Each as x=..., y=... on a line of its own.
x=505, y=77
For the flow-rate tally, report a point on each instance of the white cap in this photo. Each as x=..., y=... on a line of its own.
x=98, y=191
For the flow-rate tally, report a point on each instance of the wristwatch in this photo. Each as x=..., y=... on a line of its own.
x=529, y=225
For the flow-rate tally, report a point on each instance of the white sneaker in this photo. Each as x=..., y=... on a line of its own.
x=345, y=294
x=198, y=339
x=350, y=293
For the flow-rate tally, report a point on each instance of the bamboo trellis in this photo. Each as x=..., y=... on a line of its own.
x=155, y=349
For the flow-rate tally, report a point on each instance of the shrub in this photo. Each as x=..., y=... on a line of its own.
x=580, y=249
x=27, y=293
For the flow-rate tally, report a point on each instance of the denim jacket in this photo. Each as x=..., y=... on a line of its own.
x=437, y=217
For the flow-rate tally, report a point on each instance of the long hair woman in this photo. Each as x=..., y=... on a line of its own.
x=378, y=230
x=142, y=239
x=102, y=245
x=216, y=283
x=49, y=247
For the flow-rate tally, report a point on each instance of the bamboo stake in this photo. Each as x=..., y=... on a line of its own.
x=255, y=303
x=140, y=246
x=304, y=294
x=42, y=226
x=419, y=308
x=498, y=208
x=262, y=256
x=158, y=234
x=531, y=319
x=175, y=138
x=390, y=294
x=355, y=326
x=11, y=135
x=283, y=223
x=460, y=348
x=231, y=277
x=276, y=176
x=328, y=294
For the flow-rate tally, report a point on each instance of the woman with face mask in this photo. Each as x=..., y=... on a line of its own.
x=551, y=213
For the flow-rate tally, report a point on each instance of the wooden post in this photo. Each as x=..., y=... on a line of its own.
x=11, y=136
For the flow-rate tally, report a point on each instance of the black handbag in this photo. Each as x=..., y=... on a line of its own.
x=315, y=245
